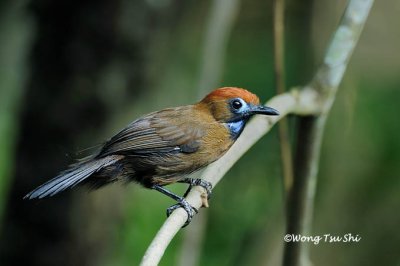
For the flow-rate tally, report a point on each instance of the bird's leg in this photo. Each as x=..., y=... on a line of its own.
x=197, y=182
x=181, y=203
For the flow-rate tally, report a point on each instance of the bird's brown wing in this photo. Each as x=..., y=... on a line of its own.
x=161, y=133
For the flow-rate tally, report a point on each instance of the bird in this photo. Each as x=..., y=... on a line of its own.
x=165, y=147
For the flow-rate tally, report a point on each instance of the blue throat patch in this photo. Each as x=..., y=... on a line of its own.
x=235, y=128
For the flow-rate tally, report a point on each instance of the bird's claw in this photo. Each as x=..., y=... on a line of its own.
x=182, y=203
x=202, y=183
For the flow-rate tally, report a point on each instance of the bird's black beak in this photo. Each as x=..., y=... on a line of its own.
x=263, y=110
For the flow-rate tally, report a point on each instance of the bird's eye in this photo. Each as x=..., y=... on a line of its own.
x=236, y=104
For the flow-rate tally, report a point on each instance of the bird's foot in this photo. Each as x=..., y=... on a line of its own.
x=204, y=184
x=190, y=210
x=198, y=182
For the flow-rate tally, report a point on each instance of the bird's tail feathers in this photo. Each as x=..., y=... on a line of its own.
x=71, y=177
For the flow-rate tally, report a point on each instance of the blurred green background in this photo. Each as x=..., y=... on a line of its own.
x=72, y=73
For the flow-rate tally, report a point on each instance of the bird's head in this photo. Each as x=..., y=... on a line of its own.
x=230, y=104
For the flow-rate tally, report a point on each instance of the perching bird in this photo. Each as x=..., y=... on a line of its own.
x=166, y=146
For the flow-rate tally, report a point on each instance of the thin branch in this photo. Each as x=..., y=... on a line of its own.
x=279, y=65
x=302, y=102
x=279, y=44
x=326, y=82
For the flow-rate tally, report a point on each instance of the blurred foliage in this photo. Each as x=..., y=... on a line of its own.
x=73, y=73
x=16, y=32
